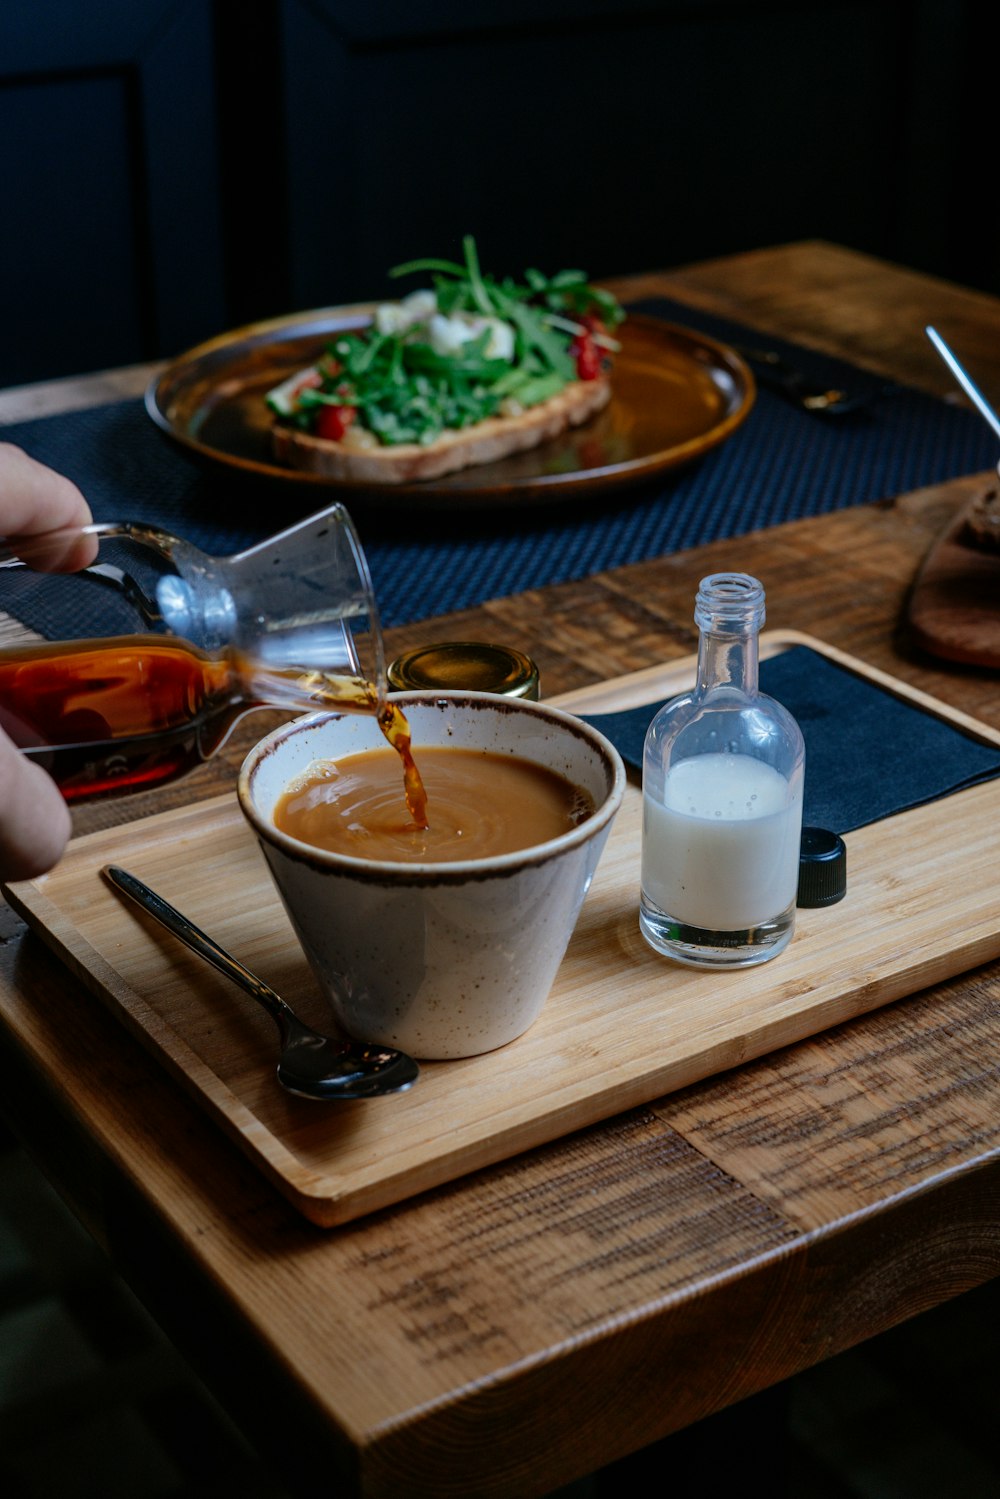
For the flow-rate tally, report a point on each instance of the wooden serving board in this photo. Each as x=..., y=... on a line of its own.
x=621, y=1027
x=954, y=606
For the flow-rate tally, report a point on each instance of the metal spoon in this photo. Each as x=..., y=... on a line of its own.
x=774, y=371
x=311, y=1065
x=965, y=381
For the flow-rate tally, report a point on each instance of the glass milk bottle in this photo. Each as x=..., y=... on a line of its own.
x=722, y=798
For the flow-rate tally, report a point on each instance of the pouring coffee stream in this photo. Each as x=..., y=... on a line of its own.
x=155, y=650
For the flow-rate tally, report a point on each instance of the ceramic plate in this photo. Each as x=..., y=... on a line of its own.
x=676, y=395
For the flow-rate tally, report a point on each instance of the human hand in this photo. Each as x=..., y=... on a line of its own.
x=35, y=500
x=34, y=820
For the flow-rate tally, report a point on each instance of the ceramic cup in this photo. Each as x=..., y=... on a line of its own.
x=441, y=960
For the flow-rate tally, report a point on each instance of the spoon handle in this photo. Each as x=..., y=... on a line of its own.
x=199, y=942
x=965, y=381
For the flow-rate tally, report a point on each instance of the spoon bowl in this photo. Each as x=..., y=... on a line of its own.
x=310, y=1065
x=774, y=371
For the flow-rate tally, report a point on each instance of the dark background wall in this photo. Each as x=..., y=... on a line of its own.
x=173, y=168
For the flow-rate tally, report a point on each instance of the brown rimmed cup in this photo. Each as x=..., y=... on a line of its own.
x=440, y=959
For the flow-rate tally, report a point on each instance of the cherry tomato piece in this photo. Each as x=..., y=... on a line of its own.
x=333, y=421
x=588, y=357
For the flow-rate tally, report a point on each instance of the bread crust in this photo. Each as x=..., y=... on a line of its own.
x=487, y=441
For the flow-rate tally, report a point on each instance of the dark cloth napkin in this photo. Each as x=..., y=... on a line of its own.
x=782, y=464
x=82, y=605
x=868, y=754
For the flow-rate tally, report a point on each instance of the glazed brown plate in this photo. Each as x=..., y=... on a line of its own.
x=676, y=395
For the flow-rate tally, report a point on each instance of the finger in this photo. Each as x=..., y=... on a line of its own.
x=34, y=820
x=35, y=499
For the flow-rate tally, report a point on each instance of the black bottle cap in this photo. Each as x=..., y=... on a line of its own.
x=822, y=868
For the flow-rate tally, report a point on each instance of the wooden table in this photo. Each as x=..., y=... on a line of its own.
x=546, y=1316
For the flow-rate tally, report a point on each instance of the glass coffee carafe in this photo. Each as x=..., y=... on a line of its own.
x=140, y=663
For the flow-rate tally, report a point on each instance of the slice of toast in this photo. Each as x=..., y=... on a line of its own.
x=406, y=463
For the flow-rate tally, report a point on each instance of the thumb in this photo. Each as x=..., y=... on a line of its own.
x=34, y=820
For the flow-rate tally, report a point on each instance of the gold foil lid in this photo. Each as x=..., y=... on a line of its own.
x=465, y=665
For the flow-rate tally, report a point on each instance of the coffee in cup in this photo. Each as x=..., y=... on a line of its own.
x=453, y=955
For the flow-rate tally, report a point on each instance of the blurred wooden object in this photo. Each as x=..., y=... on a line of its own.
x=524, y=1326
x=954, y=608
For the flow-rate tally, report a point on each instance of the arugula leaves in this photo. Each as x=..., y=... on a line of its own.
x=404, y=390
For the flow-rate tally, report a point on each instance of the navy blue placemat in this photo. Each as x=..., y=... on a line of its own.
x=869, y=754
x=782, y=464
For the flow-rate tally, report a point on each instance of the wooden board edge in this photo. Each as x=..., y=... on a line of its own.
x=634, y=689
x=167, y=1046
x=726, y=1052
x=652, y=682
x=318, y=1196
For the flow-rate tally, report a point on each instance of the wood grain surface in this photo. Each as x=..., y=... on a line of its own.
x=619, y=1028
x=509, y=1332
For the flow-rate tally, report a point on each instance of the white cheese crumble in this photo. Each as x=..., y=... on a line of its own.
x=400, y=317
x=446, y=335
